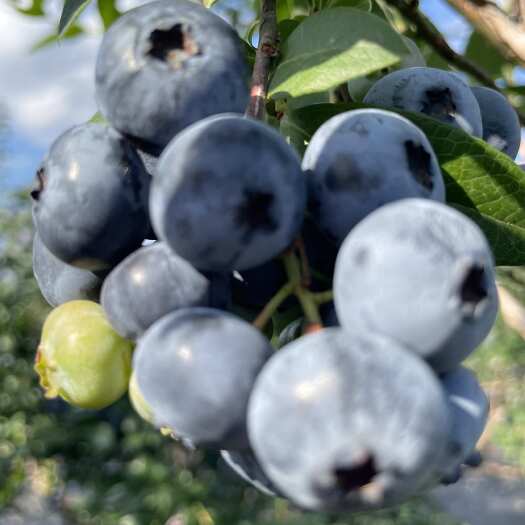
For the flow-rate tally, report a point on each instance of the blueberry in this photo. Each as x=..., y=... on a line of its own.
x=469, y=407
x=347, y=421
x=453, y=477
x=474, y=459
x=138, y=402
x=245, y=464
x=220, y=294
x=167, y=64
x=81, y=358
x=148, y=284
x=89, y=206
x=59, y=282
x=149, y=154
x=195, y=369
x=329, y=315
x=229, y=194
x=434, y=92
x=321, y=253
x=421, y=273
x=501, y=125
x=362, y=159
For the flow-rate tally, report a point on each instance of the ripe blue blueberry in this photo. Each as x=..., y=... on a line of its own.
x=501, y=125
x=421, y=273
x=59, y=282
x=89, y=206
x=148, y=284
x=362, y=159
x=469, y=407
x=195, y=368
x=167, y=64
x=347, y=421
x=321, y=252
x=329, y=315
x=220, y=290
x=434, y=92
x=229, y=194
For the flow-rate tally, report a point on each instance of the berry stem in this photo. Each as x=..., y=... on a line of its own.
x=273, y=304
x=309, y=306
x=268, y=49
x=323, y=297
x=296, y=285
x=292, y=267
x=305, y=266
x=305, y=297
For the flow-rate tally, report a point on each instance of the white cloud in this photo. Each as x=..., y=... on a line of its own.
x=47, y=91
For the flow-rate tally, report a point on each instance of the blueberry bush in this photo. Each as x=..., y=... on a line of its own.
x=269, y=258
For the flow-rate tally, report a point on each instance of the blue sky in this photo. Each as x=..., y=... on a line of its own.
x=48, y=91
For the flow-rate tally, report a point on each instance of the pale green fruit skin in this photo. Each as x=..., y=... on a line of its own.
x=142, y=408
x=138, y=402
x=81, y=358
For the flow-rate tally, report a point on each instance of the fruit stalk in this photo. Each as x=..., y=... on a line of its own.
x=268, y=48
x=273, y=304
x=323, y=297
x=293, y=270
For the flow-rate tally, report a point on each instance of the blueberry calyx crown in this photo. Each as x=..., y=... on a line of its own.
x=40, y=184
x=174, y=45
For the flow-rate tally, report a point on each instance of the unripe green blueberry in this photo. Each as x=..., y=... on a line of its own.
x=81, y=358
x=138, y=402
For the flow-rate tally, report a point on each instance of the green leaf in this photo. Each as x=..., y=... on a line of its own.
x=286, y=28
x=506, y=240
x=331, y=47
x=432, y=58
x=482, y=52
x=516, y=96
x=70, y=12
x=294, y=134
x=108, y=12
x=364, y=5
x=517, y=90
x=280, y=320
x=249, y=53
x=206, y=3
x=72, y=32
x=302, y=7
x=480, y=180
x=285, y=9
x=35, y=9
x=382, y=9
x=252, y=29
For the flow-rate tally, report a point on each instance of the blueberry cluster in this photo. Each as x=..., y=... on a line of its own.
x=365, y=403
